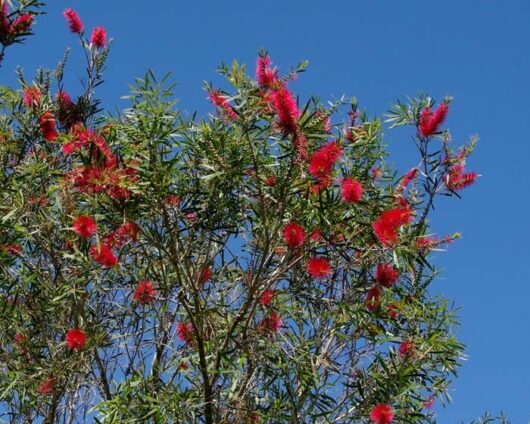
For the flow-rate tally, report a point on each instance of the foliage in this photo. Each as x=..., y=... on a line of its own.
x=188, y=291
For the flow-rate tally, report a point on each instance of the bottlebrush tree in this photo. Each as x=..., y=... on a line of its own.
x=262, y=264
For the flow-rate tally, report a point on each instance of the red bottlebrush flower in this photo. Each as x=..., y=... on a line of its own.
x=382, y=414
x=318, y=267
x=75, y=339
x=47, y=387
x=405, y=181
x=352, y=190
x=373, y=299
x=32, y=96
x=20, y=339
x=385, y=227
x=47, y=126
x=99, y=37
x=406, y=348
x=220, y=101
x=191, y=216
x=145, y=292
x=316, y=235
x=104, y=255
x=294, y=235
x=74, y=22
x=22, y=24
x=429, y=403
x=430, y=121
x=266, y=297
x=4, y=17
x=386, y=275
x=205, y=275
x=376, y=173
x=265, y=76
x=393, y=310
x=323, y=160
x=272, y=323
x=185, y=332
x=326, y=121
x=286, y=108
x=457, y=179
x=300, y=143
x=12, y=249
x=271, y=181
x=172, y=200
x=85, y=226
x=67, y=113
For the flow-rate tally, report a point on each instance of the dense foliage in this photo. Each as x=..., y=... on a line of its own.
x=262, y=264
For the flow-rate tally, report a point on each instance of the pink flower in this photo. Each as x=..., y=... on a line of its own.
x=75, y=339
x=382, y=414
x=85, y=226
x=99, y=37
x=294, y=235
x=145, y=292
x=386, y=275
x=271, y=181
x=74, y=22
x=352, y=190
x=318, y=267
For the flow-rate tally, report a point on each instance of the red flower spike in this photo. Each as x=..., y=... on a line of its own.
x=430, y=121
x=47, y=126
x=406, y=180
x=22, y=24
x=271, y=324
x=406, y=348
x=386, y=275
x=104, y=255
x=382, y=413
x=323, y=160
x=293, y=235
x=32, y=97
x=265, y=76
x=205, y=275
x=271, y=181
x=99, y=37
x=85, y=226
x=74, y=22
x=145, y=292
x=352, y=190
x=47, y=387
x=75, y=339
x=266, y=297
x=220, y=101
x=286, y=108
x=386, y=226
x=318, y=267
x=185, y=332
x=172, y=200
x=373, y=299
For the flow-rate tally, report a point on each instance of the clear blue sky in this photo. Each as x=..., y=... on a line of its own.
x=477, y=51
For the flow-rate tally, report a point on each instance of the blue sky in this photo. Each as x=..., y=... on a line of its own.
x=378, y=51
